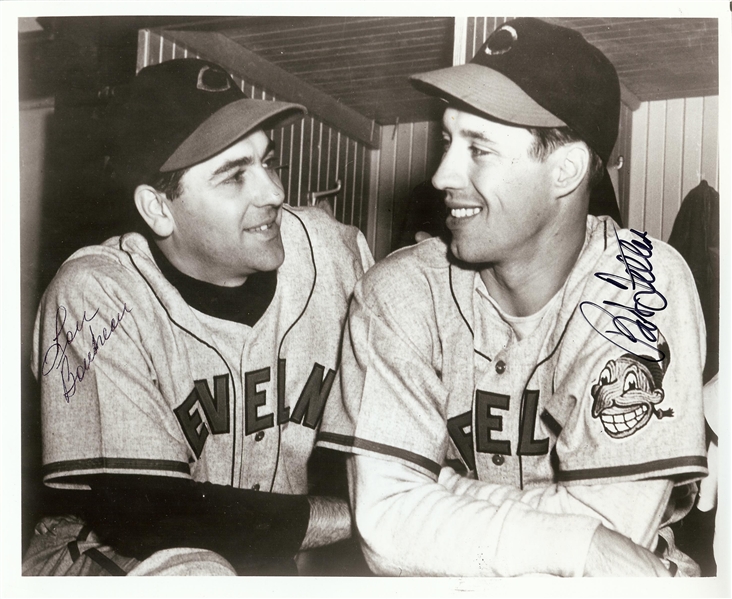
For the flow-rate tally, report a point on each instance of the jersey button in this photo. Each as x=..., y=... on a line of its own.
x=259, y=436
x=500, y=367
x=255, y=487
x=498, y=459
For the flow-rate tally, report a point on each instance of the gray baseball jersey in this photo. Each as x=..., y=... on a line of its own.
x=607, y=388
x=134, y=380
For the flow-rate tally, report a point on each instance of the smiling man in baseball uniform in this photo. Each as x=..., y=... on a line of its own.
x=184, y=371
x=529, y=399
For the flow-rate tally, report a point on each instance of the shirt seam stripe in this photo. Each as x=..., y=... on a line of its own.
x=357, y=443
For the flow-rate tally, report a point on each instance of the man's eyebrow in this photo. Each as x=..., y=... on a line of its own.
x=472, y=134
x=476, y=135
x=241, y=162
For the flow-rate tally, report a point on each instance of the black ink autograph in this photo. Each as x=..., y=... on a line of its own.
x=635, y=328
x=55, y=357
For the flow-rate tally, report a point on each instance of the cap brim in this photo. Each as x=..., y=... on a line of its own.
x=229, y=124
x=488, y=91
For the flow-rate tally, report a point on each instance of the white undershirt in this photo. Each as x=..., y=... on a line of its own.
x=522, y=326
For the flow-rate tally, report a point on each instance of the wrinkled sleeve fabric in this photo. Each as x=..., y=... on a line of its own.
x=102, y=410
x=392, y=417
x=635, y=509
x=412, y=526
x=392, y=399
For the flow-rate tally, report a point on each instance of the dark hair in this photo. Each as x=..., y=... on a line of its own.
x=548, y=139
x=169, y=183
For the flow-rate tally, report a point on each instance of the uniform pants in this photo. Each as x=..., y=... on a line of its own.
x=65, y=546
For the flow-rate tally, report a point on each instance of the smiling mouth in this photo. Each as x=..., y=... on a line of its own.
x=264, y=227
x=464, y=212
x=624, y=423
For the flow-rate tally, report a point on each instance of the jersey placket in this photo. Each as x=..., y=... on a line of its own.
x=258, y=419
x=500, y=396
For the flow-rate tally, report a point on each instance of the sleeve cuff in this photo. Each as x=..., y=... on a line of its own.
x=558, y=545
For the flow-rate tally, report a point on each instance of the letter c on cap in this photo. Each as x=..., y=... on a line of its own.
x=499, y=43
x=217, y=81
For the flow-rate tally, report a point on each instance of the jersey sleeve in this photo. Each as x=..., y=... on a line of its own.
x=413, y=526
x=628, y=394
x=102, y=410
x=364, y=252
x=634, y=509
x=392, y=399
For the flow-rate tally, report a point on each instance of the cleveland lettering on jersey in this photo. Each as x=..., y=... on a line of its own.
x=215, y=407
x=313, y=396
x=58, y=360
x=486, y=421
x=460, y=430
x=627, y=331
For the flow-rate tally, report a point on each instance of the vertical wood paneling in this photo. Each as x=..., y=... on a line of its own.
x=637, y=204
x=675, y=145
x=364, y=167
x=408, y=155
x=420, y=141
x=383, y=192
x=655, y=149
x=471, y=35
x=672, y=164
x=402, y=182
x=710, y=141
x=693, y=126
x=624, y=145
x=314, y=152
x=374, y=205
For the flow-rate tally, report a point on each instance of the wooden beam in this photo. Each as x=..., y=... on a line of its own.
x=628, y=98
x=287, y=87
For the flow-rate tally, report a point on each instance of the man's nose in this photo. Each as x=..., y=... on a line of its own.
x=451, y=172
x=270, y=191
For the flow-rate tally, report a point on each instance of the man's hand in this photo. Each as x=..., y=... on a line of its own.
x=612, y=554
x=330, y=522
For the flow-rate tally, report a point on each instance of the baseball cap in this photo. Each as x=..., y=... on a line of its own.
x=181, y=112
x=536, y=74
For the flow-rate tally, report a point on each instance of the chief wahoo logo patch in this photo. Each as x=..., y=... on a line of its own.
x=628, y=391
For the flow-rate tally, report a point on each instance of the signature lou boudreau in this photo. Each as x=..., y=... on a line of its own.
x=56, y=358
x=633, y=331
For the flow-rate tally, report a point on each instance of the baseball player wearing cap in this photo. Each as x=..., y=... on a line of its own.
x=527, y=400
x=184, y=371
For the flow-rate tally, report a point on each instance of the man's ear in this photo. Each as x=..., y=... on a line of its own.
x=572, y=161
x=152, y=206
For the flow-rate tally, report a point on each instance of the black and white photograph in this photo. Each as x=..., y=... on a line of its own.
x=404, y=299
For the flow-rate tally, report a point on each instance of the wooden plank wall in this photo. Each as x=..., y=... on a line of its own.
x=620, y=176
x=675, y=146
x=317, y=154
x=409, y=154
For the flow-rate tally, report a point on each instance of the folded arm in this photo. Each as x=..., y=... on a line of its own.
x=634, y=509
x=413, y=526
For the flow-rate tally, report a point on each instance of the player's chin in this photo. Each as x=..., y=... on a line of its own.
x=272, y=257
x=467, y=250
